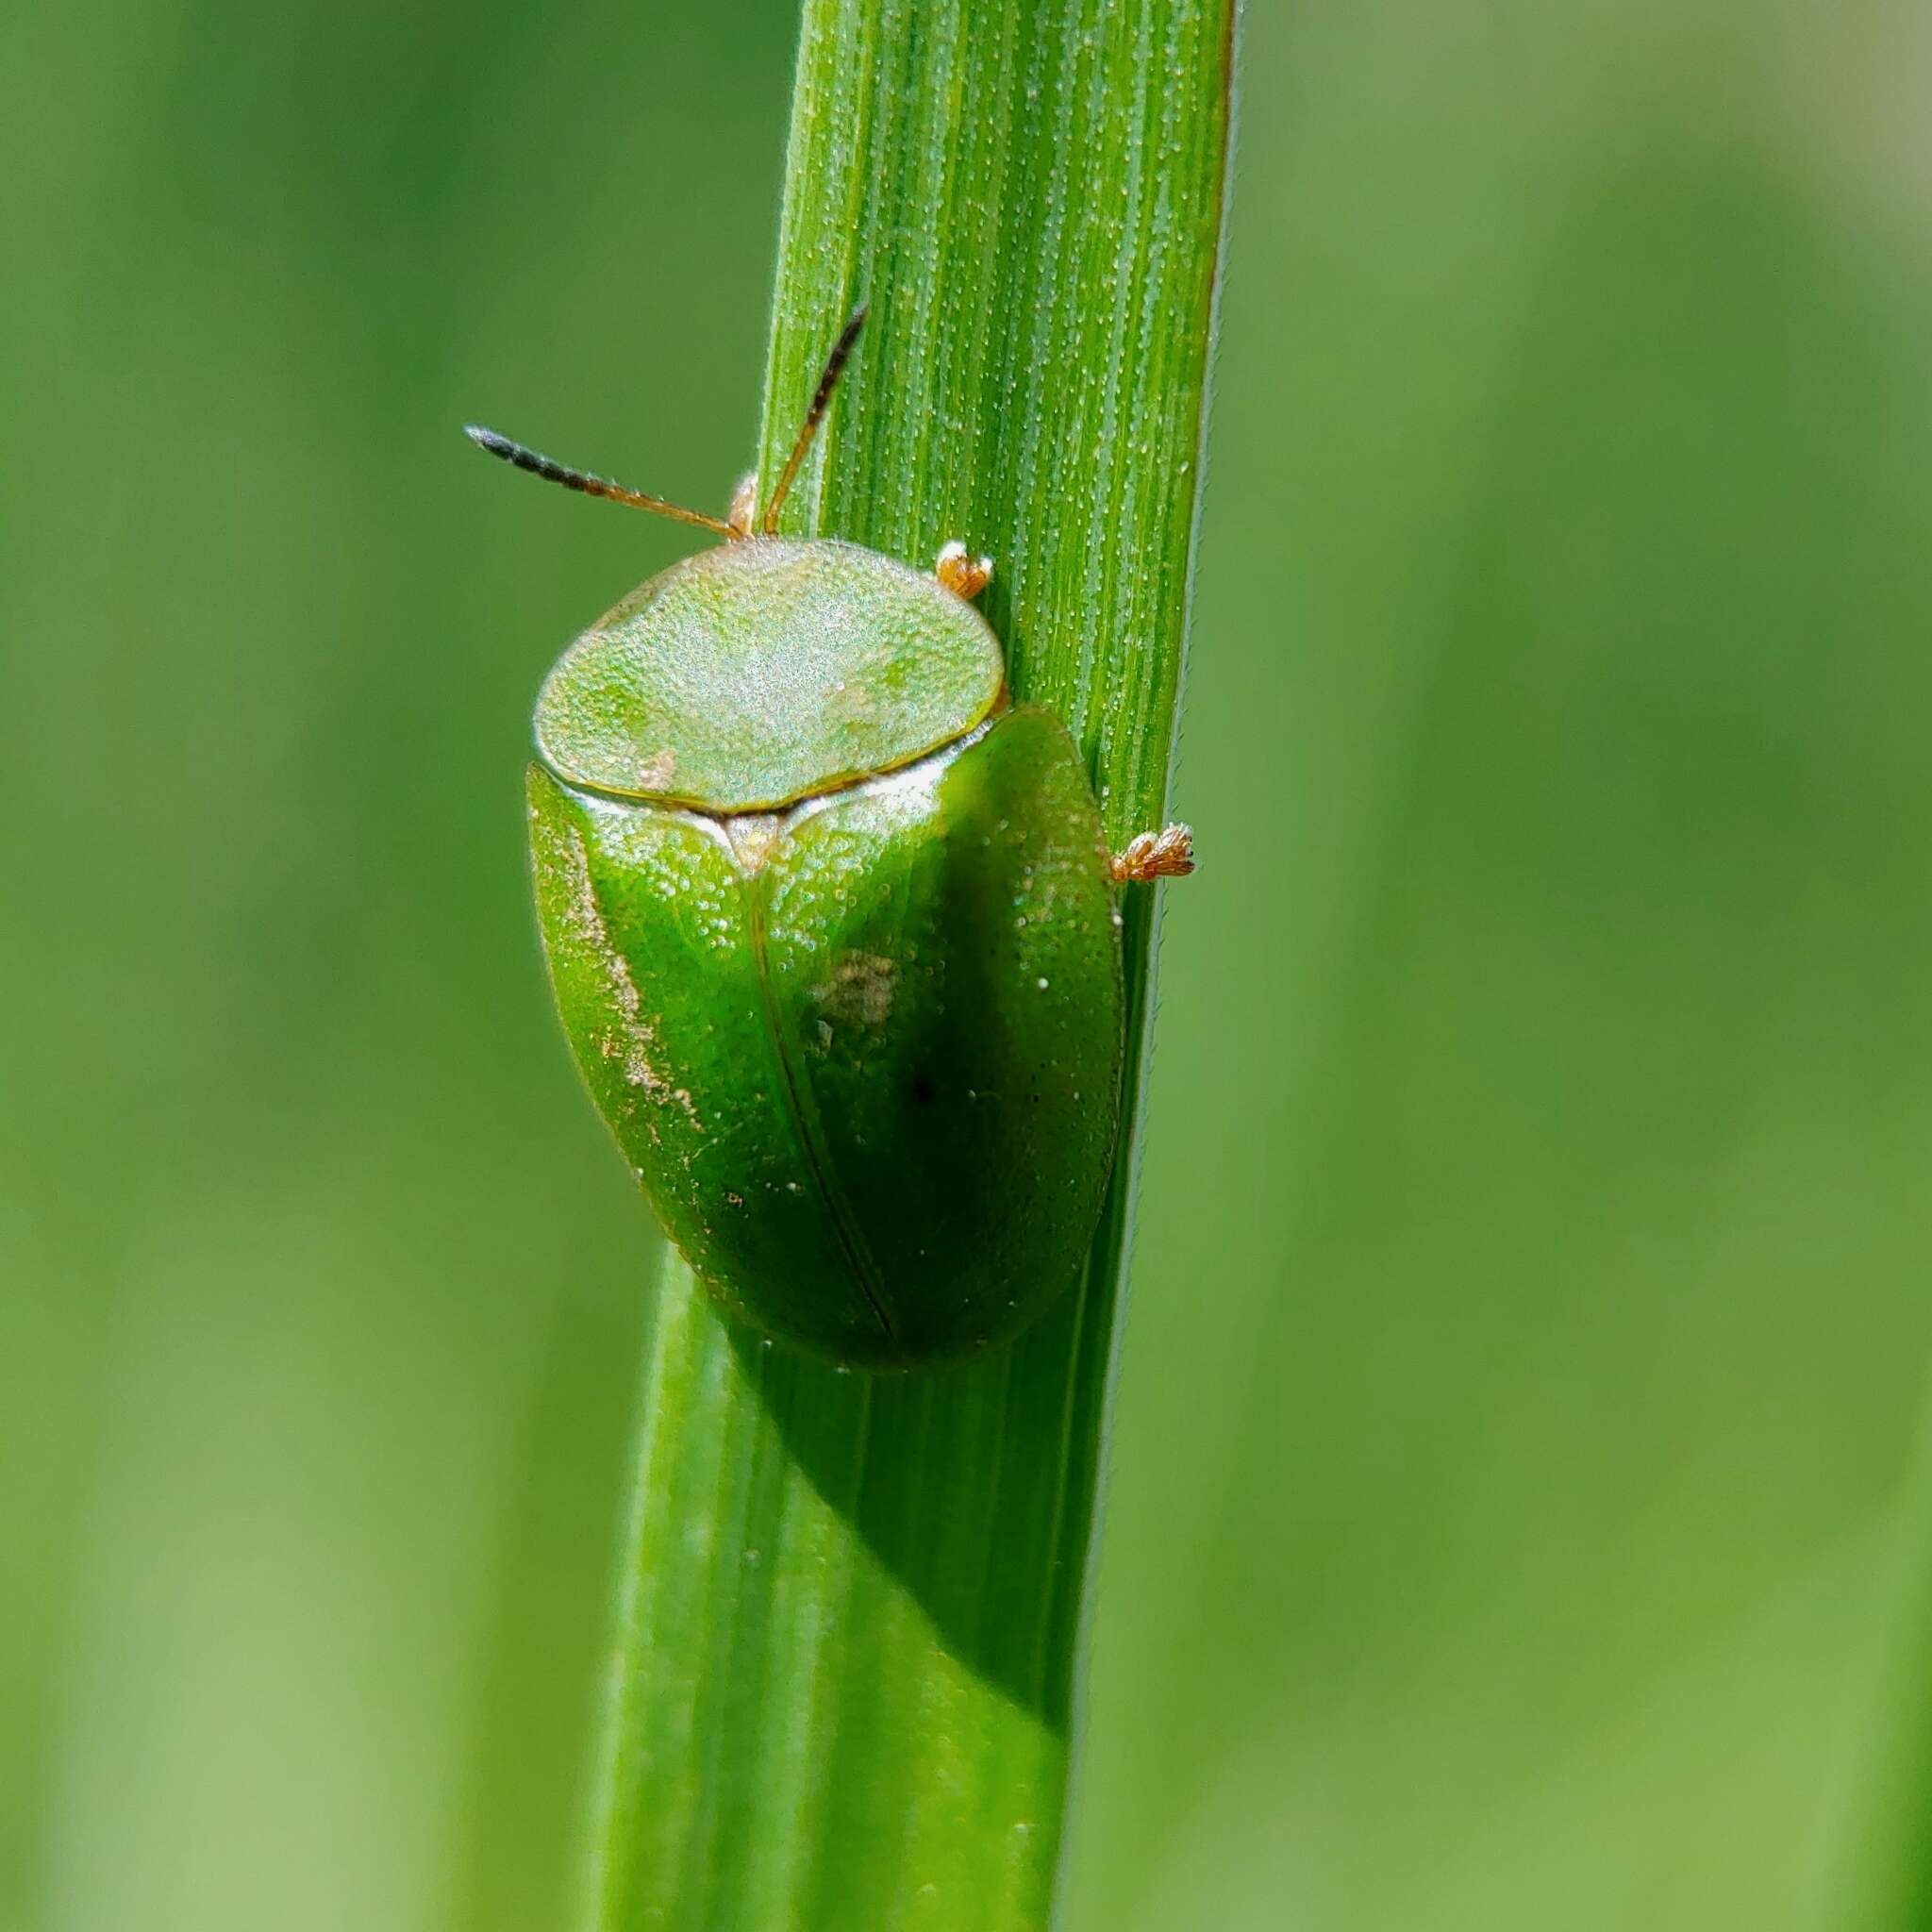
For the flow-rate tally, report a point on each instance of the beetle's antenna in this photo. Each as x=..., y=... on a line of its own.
x=553, y=471
x=821, y=396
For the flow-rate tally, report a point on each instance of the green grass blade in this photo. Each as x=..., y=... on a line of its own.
x=843, y=1684
x=1878, y=1876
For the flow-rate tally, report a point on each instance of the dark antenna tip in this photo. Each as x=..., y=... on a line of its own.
x=583, y=482
x=814, y=415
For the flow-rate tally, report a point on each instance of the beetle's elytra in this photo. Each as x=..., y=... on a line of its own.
x=831, y=926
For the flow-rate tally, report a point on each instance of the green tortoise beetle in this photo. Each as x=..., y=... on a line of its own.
x=831, y=929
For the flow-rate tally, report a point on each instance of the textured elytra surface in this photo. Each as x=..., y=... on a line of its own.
x=749, y=677
x=871, y=1082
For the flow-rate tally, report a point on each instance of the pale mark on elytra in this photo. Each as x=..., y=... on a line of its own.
x=634, y=1040
x=859, y=991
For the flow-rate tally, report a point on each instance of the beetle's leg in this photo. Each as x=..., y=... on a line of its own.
x=743, y=512
x=965, y=576
x=1168, y=854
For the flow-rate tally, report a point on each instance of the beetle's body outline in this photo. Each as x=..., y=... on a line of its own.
x=830, y=926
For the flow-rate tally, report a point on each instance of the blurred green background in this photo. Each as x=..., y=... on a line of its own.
x=1529, y=1318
